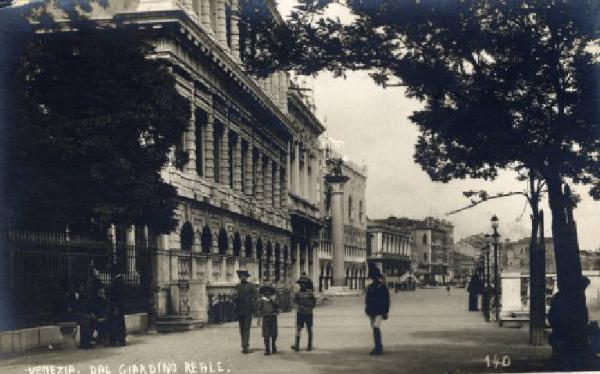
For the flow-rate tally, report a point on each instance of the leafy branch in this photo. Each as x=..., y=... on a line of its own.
x=482, y=196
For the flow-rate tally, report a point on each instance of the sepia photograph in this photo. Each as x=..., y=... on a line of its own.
x=299, y=186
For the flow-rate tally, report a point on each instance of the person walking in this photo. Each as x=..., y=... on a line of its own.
x=474, y=289
x=377, y=306
x=115, y=321
x=244, y=297
x=305, y=302
x=269, y=308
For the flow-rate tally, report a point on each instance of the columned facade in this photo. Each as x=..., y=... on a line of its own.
x=390, y=249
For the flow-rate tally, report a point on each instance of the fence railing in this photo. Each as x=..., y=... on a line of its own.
x=221, y=309
x=37, y=269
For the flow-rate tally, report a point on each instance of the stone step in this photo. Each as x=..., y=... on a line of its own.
x=177, y=324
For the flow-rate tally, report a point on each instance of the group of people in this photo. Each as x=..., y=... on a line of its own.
x=248, y=299
x=101, y=319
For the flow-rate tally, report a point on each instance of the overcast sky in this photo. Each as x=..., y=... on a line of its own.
x=373, y=124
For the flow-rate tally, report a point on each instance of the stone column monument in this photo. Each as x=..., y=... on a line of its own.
x=336, y=181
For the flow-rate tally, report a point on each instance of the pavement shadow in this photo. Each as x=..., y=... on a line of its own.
x=472, y=336
x=438, y=358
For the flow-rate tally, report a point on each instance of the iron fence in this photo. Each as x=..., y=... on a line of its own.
x=39, y=267
x=221, y=309
x=284, y=296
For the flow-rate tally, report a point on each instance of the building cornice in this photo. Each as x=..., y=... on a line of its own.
x=195, y=35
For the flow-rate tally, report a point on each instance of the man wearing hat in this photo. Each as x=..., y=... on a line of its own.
x=305, y=302
x=269, y=308
x=244, y=298
x=377, y=306
x=115, y=320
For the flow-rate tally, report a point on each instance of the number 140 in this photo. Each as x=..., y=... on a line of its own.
x=496, y=361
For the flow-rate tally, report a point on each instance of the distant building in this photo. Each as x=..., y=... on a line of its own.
x=463, y=266
x=590, y=260
x=389, y=248
x=514, y=256
x=432, y=249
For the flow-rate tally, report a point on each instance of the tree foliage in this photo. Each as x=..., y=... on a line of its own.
x=505, y=84
x=96, y=120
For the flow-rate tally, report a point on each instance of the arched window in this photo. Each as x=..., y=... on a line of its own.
x=223, y=242
x=424, y=238
x=277, y=262
x=206, y=240
x=268, y=261
x=248, y=246
x=259, y=256
x=237, y=244
x=187, y=237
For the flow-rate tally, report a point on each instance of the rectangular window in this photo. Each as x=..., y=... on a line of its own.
x=228, y=24
x=273, y=182
x=264, y=175
x=243, y=165
x=201, y=121
x=254, y=171
x=282, y=191
x=217, y=135
x=180, y=152
x=230, y=153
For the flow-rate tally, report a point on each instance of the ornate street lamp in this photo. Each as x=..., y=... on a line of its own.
x=495, y=236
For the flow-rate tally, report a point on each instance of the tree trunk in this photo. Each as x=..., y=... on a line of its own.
x=538, y=285
x=568, y=313
x=566, y=247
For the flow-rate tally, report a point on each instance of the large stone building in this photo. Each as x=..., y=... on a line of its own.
x=354, y=221
x=389, y=248
x=251, y=190
x=433, y=245
x=306, y=186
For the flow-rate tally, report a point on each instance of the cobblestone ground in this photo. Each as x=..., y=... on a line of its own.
x=429, y=331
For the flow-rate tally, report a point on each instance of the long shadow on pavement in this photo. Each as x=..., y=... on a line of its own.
x=436, y=358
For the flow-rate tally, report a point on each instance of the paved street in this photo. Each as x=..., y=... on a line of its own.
x=427, y=332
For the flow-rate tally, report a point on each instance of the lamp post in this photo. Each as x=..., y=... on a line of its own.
x=495, y=236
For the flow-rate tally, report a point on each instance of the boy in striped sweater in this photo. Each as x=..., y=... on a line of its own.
x=305, y=301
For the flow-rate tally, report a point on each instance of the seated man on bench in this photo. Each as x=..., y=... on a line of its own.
x=78, y=308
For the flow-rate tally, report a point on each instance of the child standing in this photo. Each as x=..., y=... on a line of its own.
x=269, y=308
x=305, y=301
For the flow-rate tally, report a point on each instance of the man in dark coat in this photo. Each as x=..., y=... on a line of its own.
x=377, y=306
x=115, y=321
x=245, y=298
x=474, y=290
